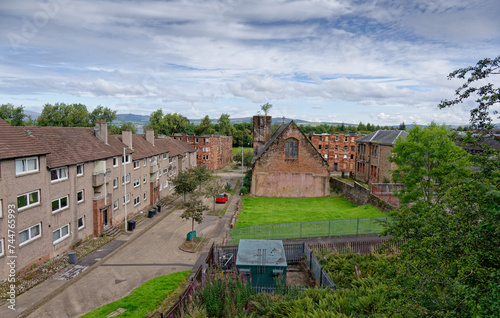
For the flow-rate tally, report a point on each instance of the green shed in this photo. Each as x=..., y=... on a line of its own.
x=264, y=261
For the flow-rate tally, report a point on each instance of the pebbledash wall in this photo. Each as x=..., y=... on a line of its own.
x=64, y=184
x=212, y=151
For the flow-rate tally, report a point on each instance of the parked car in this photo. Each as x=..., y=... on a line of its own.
x=221, y=198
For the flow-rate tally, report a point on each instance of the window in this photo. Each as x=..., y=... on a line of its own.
x=345, y=148
x=335, y=156
x=60, y=234
x=79, y=170
x=115, y=161
x=336, y=138
x=326, y=147
x=352, y=157
x=165, y=183
x=115, y=183
x=165, y=155
x=29, y=234
x=352, y=148
x=59, y=174
x=81, y=222
x=1, y=210
x=1, y=248
x=144, y=195
x=320, y=138
x=27, y=200
x=137, y=182
x=319, y=147
x=144, y=179
x=159, y=172
x=59, y=204
x=170, y=160
x=345, y=156
x=170, y=185
x=187, y=139
x=346, y=139
x=126, y=199
x=196, y=140
x=137, y=164
x=126, y=159
x=375, y=151
x=160, y=186
x=336, y=147
x=137, y=200
x=126, y=179
x=291, y=148
x=26, y=165
x=144, y=161
x=80, y=197
x=115, y=205
x=326, y=156
x=165, y=170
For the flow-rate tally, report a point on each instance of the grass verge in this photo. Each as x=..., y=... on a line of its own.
x=144, y=298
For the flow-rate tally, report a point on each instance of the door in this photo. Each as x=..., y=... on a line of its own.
x=105, y=217
x=335, y=166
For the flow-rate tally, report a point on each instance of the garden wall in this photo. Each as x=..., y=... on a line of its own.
x=360, y=195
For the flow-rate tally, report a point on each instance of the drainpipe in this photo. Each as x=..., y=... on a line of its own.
x=125, y=186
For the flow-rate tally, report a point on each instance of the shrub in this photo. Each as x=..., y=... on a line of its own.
x=243, y=190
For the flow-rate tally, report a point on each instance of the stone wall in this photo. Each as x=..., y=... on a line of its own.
x=359, y=194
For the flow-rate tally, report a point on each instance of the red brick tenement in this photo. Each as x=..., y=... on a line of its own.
x=338, y=149
x=372, y=155
x=212, y=151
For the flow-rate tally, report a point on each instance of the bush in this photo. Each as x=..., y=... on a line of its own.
x=243, y=190
x=228, y=187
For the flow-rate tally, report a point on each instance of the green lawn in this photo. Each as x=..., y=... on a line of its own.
x=259, y=211
x=237, y=150
x=144, y=298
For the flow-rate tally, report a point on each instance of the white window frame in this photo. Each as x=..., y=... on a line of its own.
x=30, y=237
x=137, y=164
x=83, y=223
x=165, y=155
x=144, y=179
x=28, y=204
x=60, y=208
x=2, y=249
x=137, y=182
x=170, y=160
x=326, y=156
x=144, y=162
x=58, y=172
x=115, y=204
x=145, y=196
x=25, y=166
x=115, y=183
x=345, y=156
x=346, y=139
x=160, y=186
x=115, y=161
x=137, y=201
x=61, y=238
x=126, y=199
x=1, y=208
x=126, y=179
x=83, y=196
x=126, y=159
x=165, y=184
x=165, y=170
x=81, y=172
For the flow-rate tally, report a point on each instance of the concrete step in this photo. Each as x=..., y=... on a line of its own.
x=112, y=231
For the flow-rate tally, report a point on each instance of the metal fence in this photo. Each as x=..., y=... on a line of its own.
x=317, y=270
x=310, y=229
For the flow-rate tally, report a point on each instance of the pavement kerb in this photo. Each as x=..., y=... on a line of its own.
x=62, y=288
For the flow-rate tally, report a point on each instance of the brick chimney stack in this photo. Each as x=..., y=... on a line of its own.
x=261, y=132
x=150, y=136
x=127, y=138
x=101, y=131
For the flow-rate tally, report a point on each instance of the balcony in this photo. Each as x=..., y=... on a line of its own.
x=99, y=178
x=153, y=168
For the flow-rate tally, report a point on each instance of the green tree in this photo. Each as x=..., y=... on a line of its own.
x=487, y=95
x=428, y=161
x=102, y=113
x=205, y=127
x=361, y=127
x=224, y=124
x=194, y=211
x=265, y=108
x=200, y=174
x=115, y=130
x=60, y=114
x=184, y=183
x=213, y=188
x=247, y=158
x=402, y=126
x=13, y=115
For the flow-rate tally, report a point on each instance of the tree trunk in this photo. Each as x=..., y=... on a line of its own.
x=214, y=205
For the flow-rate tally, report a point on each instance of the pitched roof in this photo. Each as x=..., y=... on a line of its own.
x=15, y=142
x=278, y=132
x=175, y=147
x=142, y=148
x=384, y=137
x=72, y=145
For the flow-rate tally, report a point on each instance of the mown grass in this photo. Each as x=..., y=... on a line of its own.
x=144, y=298
x=237, y=150
x=261, y=210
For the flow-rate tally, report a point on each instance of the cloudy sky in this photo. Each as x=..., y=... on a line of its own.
x=377, y=61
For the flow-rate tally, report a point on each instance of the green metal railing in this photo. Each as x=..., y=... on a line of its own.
x=310, y=229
